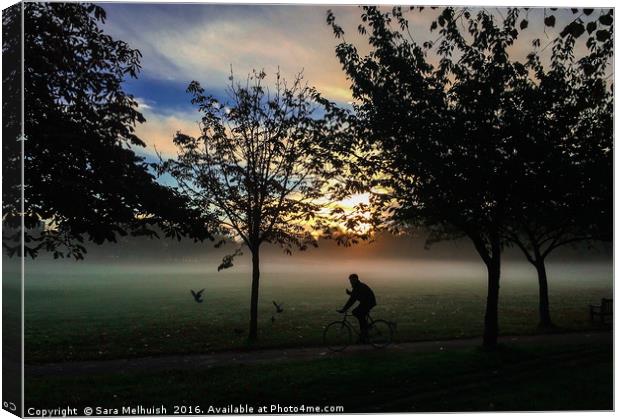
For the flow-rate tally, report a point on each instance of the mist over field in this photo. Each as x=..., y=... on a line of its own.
x=386, y=259
x=319, y=272
x=133, y=298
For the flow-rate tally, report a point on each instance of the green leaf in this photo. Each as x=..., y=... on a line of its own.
x=523, y=24
x=591, y=27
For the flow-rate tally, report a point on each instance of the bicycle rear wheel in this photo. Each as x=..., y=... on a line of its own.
x=379, y=334
x=337, y=336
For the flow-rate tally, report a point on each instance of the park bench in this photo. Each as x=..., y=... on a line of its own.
x=602, y=311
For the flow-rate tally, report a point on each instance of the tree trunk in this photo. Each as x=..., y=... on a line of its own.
x=543, y=295
x=491, y=323
x=253, y=336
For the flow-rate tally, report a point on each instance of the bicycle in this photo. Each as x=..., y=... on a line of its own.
x=339, y=334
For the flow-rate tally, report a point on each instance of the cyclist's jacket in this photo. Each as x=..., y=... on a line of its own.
x=362, y=293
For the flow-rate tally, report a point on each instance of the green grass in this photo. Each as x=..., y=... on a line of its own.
x=101, y=312
x=514, y=378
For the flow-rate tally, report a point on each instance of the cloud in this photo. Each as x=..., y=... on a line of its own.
x=159, y=130
x=184, y=42
x=204, y=46
x=142, y=104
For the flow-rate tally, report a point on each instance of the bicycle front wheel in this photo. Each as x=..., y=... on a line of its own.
x=379, y=334
x=337, y=336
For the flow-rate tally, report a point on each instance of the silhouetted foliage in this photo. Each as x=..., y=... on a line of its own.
x=443, y=142
x=260, y=166
x=564, y=119
x=83, y=181
x=598, y=23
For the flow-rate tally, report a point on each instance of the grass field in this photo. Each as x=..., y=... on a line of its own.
x=89, y=311
x=514, y=378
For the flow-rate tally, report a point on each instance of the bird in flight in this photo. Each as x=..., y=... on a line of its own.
x=198, y=295
x=279, y=308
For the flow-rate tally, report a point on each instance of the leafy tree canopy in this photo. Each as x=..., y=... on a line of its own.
x=264, y=162
x=83, y=181
x=442, y=119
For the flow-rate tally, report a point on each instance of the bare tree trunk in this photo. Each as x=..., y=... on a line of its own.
x=253, y=336
x=491, y=323
x=492, y=259
x=543, y=295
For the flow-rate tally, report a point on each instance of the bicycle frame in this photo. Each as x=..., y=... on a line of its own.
x=369, y=320
x=352, y=330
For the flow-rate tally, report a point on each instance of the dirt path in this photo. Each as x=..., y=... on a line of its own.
x=201, y=361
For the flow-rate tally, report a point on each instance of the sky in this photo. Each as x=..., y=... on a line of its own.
x=185, y=42
x=389, y=259
x=181, y=43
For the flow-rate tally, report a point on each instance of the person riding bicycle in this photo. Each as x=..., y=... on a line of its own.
x=362, y=293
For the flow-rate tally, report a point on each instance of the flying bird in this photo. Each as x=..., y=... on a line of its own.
x=198, y=295
x=279, y=308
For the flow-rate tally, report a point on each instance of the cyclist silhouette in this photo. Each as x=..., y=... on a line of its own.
x=362, y=293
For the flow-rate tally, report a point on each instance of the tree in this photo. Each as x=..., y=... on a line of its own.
x=259, y=168
x=83, y=181
x=564, y=118
x=439, y=138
